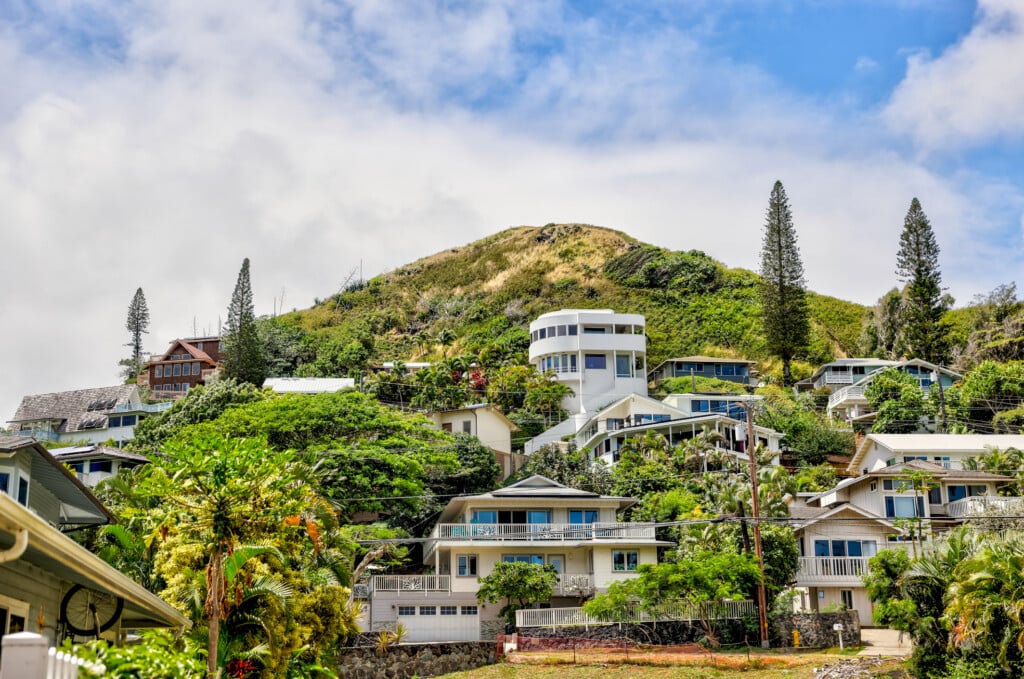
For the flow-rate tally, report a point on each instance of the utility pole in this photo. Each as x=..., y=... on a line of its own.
x=762, y=597
x=693, y=382
x=937, y=378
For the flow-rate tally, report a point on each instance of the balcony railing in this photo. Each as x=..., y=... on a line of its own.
x=411, y=583
x=544, y=531
x=851, y=392
x=838, y=378
x=814, y=567
x=142, y=407
x=985, y=504
x=576, y=617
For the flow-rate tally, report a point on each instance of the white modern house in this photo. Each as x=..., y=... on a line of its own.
x=875, y=451
x=49, y=583
x=535, y=521
x=84, y=415
x=600, y=354
x=841, y=529
x=848, y=401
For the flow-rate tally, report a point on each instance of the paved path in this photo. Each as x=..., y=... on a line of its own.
x=881, y=641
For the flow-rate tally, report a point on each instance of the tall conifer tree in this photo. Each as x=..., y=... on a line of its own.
x=137, y=325
x=243, y=352
x=924, y=335
x=784, y=312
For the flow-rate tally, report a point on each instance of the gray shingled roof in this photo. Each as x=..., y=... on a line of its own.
x=73, y=407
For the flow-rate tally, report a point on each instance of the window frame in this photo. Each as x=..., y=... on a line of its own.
x=472, y=562
x=625, y=554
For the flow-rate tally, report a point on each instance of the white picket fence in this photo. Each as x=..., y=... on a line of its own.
x=30, y=656
x=577, y=617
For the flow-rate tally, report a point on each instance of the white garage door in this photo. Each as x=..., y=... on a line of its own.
x=437, y=622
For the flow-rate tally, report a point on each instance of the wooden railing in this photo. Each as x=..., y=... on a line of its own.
x=576, y=617
x=411, y=583
x=543, y=531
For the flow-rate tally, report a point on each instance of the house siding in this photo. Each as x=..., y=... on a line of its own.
x=39, y=589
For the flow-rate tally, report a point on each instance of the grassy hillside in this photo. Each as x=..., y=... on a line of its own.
x=479, y=299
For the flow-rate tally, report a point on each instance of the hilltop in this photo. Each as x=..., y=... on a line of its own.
x=479, y=298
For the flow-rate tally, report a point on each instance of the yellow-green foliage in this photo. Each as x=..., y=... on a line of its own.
x=692, y=302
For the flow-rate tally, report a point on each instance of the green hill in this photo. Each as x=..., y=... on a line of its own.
x=479, y=299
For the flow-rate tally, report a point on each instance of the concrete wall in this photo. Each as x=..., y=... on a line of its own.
x=419, y=660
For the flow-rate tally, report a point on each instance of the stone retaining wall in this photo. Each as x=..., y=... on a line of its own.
x=816, y=629
x=664, y=633
x=420, y=660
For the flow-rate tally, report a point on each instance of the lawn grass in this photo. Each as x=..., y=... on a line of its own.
x=552, y=665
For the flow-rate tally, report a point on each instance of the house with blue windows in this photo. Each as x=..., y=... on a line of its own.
x=94, y=462
x=731, y=405
x=729, y=369
x=839, y=530
x=848, y=401
x=536, y=520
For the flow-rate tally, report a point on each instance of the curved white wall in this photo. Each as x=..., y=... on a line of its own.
x=598, y=353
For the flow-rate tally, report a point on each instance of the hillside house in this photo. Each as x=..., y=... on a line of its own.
x=840, y=529
x=849, y=402
x=47, y=580
x=94, y=463
x=488, y=424
x=875, y=451
x=536, y=521
x=186, y=364
x=730, y=369
x=84, y=415
x=731, y=405
x=308, y=385
x=845, y=371
x=599, y=354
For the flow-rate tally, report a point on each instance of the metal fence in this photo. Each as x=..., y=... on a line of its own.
x=674, y=611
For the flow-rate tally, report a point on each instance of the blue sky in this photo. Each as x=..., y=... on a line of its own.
x=156, y=144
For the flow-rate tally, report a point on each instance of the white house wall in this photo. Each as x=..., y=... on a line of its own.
x=42, y=591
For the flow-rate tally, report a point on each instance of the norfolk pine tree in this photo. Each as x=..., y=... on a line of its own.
x=784, y=312
x=137, y=324
x=924, y=334
x=243, y=352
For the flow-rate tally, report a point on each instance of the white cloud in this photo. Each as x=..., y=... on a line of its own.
x=971, y=92
x=312, y=137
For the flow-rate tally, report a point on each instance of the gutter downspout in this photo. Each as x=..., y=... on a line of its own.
x=17, y=549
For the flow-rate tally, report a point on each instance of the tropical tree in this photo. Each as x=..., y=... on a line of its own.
x=784, y=312
x=216, y=495
x=241, y=348
x=898, y=401
x=519, y=583
x=924, y=335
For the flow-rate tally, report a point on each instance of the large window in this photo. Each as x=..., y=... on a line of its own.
x=595, y=361
x=523, y=558
x=623, y=366
x=583, y=515
x=466, y=565
x=845, y=547
x=159, y=371
x=960, y=492
x=100, y=466
x=5, y=482
x=626, y=560
x=903, y=507
x=177, y=369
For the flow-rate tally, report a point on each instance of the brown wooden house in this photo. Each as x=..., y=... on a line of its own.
x=187, y=363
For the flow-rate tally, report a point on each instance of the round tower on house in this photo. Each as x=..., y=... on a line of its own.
x=599, y=354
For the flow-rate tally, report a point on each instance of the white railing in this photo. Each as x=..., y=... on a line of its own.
x=411, y=583
x=576, y=617
x=984, y=504
x=543, y=531
x=832, y=567
x=854, y=391
x=574, y=584
x=28, y=656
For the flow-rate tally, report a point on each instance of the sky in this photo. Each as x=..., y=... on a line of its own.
x=157, y=144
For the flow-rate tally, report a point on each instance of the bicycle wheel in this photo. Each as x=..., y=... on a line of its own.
x=87, y=612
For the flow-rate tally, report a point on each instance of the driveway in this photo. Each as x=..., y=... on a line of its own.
x=882, y=641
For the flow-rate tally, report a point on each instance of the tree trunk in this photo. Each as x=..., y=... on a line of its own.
x=743, y=526
x=214, y=599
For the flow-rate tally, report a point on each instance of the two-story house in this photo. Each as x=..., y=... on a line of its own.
x=534, y=521
x=49, y=583
x=844, y=371
x=732, y=405
x=84, y=415
x=875, y=451
x=848, y=402
x=187, y=363
x=729, y=369
x=840, y=529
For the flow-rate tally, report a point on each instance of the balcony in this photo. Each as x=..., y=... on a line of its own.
x=543, y=532
x=411, y=583
x=574, y=585
x=838, y=378
x=142, y=407
x=985, y=504
x=831, y=570
x=853, y=392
